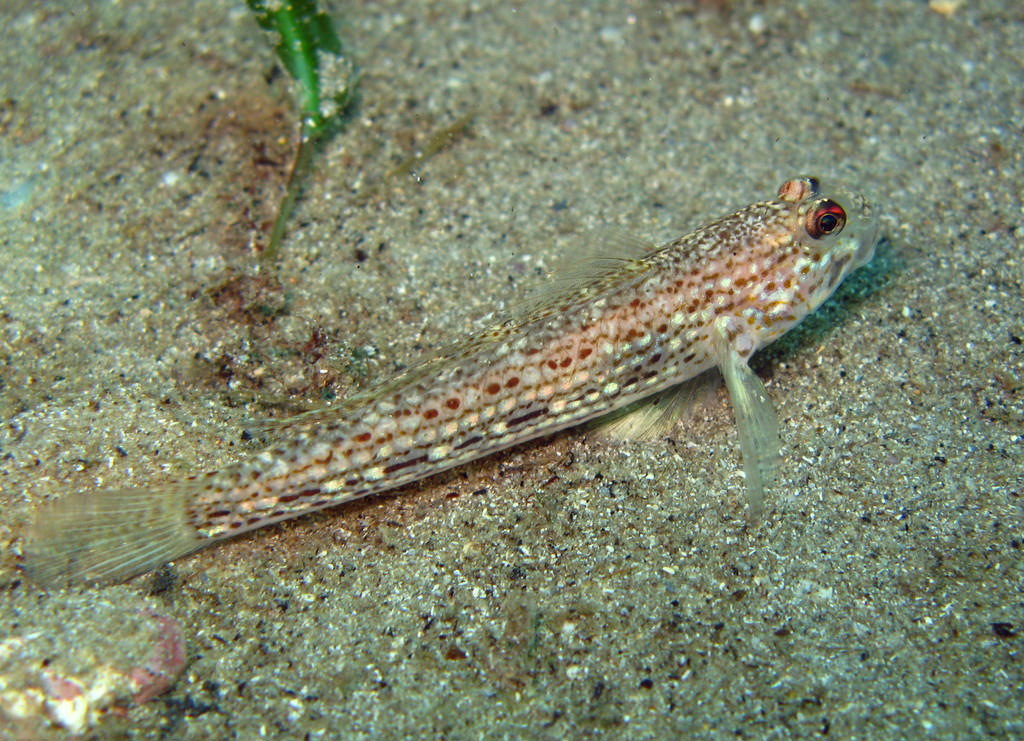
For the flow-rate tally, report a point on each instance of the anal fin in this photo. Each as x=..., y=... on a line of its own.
x=655, y=416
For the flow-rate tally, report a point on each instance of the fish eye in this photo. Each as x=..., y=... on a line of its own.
x=827, y=217
x=800, y=188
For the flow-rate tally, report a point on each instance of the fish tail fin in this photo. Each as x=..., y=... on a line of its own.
x=109, y=536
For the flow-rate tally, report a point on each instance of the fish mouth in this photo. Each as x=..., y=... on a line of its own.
x=867, y=233
x=837, y=270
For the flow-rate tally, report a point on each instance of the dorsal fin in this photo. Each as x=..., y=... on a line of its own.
x=584, y=273
x=580, y=275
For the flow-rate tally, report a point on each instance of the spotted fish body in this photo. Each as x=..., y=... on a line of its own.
x=634, y=327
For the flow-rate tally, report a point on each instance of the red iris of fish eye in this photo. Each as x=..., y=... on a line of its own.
x=828, y=218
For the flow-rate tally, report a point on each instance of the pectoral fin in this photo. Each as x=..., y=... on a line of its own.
x=756, y=420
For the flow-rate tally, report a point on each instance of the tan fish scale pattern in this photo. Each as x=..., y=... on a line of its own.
x=634, y=327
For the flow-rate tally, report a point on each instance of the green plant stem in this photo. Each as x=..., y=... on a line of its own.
x=300, y=165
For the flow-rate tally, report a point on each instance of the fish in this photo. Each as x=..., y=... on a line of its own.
x=628, y=327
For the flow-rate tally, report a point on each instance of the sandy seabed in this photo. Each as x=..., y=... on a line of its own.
x=570, y=588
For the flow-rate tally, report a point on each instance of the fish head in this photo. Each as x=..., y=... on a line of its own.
x=834, y=232
x=795, y=251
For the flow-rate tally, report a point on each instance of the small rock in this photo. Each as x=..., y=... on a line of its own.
x=92, y=658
